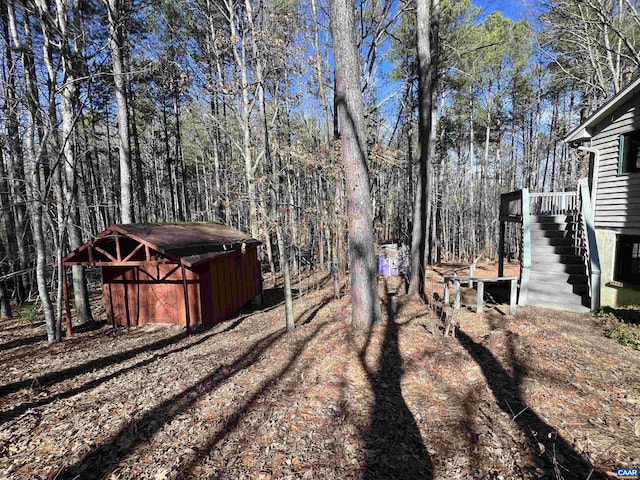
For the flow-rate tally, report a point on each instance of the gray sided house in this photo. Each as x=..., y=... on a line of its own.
x=611, y=138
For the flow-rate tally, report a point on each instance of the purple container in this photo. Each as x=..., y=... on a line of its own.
x=386, y=267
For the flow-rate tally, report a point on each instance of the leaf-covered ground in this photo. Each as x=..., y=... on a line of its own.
x=543, y=394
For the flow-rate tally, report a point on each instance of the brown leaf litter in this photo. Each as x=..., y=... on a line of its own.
x=540, y=395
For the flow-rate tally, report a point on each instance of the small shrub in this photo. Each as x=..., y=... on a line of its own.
x=622, y=324
x=29, y=313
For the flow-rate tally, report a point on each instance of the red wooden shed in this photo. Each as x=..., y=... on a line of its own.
x=181, y=273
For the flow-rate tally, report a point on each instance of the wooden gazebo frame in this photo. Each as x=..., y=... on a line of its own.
x=119, y=246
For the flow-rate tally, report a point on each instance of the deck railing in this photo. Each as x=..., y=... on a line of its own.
x=553, y=203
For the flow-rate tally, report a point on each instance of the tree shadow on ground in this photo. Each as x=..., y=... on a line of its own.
x=96, y=364
x=310, y=313
x=18, y=410
x=394, y=446
x=89, y=326
x=98, y=463
x=553, y=454
x=21, y=342
x=188, y=471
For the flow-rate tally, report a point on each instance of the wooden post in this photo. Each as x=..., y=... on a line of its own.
x=126, y=298
x=480, y=298
x=445, y=295
x=456, y=298
x=111, y=314
x=513, y=294
x=501, y=250
x=472, y=270
x=185, y=287
x=65, y=292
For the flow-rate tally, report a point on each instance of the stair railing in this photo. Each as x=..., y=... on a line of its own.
x=586, y=241
x=553, y=203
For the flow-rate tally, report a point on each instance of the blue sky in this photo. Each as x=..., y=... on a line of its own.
x=514, y=9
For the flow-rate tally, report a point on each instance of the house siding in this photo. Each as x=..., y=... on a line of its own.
x=618, y=196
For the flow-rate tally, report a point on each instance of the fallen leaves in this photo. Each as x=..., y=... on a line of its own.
x=248, y=401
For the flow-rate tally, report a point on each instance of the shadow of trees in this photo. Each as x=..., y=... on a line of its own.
x=553, y=454
x=18, y=410
x=97, y=364
x=100, y=461
x=393, y=444
x=21, y=342
x=233, y=421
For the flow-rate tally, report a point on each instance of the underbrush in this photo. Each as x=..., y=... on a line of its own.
x=622, y=324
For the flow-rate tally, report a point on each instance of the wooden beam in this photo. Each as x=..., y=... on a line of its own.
x=116, y=263
x=133, y=252
x=118, y=253
x=124, y=232
x=86, y=245
x=525, y=259
x=65, y=292
x=147, y=255
x=170, y=272
x=102, y=251
x=185, y=288
x=90, y=251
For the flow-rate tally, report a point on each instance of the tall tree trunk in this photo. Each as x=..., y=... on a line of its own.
x=419, y=237
x=116, y=45
x=140, y=183
x=348, y=98
x=276, y=185
x=68, y=93
x=16, y=231
x=32, y=168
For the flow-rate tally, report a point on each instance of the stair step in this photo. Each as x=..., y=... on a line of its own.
x=541, y=298
x=558, y=306
x=550, y=226
x=552, y=241
x=557, y=288
x=538, y=250
x=545, y=258
x=538, y=234
x=557, y=267
x=558, y=278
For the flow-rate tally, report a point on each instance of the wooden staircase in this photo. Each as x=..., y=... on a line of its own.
x=558, y=276
x=559, y=261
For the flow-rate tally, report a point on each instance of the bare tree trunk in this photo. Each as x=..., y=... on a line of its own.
x=16, y=231
x=239, y=55
x=32, y=168
x=68, y=93
x=275, y=187
x=116, y=45
x=348, y=98
x=419, y=237
x=141, y=192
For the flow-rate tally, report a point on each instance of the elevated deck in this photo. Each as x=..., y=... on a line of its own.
x=559, y=262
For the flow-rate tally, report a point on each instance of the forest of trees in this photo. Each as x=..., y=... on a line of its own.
x=119, y=111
